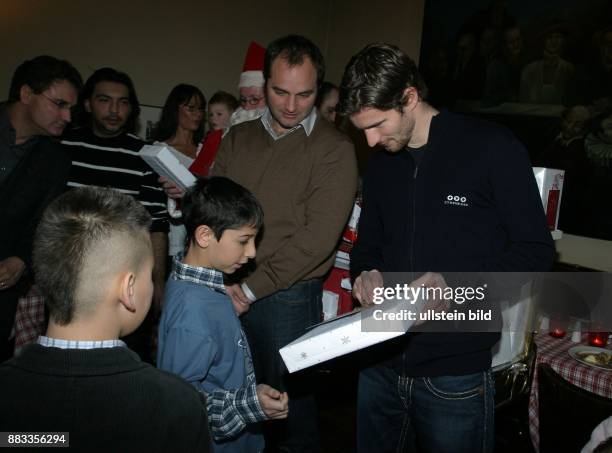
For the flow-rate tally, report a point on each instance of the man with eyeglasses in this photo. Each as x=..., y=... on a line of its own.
x=251, y=86
x=33, y=168
x=105, y=152
x=252, y=105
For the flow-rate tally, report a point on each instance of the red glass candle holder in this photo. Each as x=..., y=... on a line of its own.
x=558, y=327
x=599, y=339
x=557, y=333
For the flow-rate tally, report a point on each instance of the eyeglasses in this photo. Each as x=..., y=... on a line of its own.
x=253, y=100
x=59, y=103
x=193, y=108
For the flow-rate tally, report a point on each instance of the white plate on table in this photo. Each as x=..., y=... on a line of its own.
x=587, y=355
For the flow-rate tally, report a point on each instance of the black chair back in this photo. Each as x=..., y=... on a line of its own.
x=568, y=414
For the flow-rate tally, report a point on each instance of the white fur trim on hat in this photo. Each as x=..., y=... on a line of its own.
x=251, y=79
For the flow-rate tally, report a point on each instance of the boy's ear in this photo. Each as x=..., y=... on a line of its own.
x=126, y=292
x=203, y=235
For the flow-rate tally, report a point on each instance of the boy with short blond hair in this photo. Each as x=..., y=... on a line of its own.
x=93, y=262
x=200, y=337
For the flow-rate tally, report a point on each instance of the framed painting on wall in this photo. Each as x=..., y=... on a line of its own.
x=544, y=70
x=147, y=121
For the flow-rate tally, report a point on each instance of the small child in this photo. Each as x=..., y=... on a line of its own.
x=93, y=260
x=200, y=337
x=220, y=109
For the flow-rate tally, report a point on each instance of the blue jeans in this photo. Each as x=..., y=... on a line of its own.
x=425, y=414
x=271, y=323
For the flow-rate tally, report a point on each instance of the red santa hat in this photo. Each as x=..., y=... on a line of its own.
x=252, y=70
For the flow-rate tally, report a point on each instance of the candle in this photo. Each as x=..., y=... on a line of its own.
x=557, y=332
x=558, y=325
x=599, y=339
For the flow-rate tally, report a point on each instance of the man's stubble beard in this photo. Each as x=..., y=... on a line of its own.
x=404, y=134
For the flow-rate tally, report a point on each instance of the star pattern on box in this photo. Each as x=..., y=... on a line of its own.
x=345, y=340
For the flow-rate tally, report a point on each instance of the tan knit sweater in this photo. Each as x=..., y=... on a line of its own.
x=306, y=185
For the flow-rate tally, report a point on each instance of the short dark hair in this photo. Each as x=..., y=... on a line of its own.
x=377, y=77
x=168, y=122
x=293, y=49
x=225, y=98
x=111, y=75
x=221, y=204
x=326, y=88
x=72, y=227
x=40, y=72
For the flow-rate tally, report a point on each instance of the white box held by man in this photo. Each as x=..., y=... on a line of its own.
x=348, y=333
x=161, y=159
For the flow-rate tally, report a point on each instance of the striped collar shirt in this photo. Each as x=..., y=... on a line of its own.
x=212, y=278
x=49, y=342
x=307, y=123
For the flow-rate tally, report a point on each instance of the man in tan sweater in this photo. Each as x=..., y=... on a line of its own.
x=304, y=173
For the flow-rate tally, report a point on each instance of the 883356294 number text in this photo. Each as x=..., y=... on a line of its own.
x=34, y=439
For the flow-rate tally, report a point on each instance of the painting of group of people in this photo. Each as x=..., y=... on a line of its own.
x=544, y=69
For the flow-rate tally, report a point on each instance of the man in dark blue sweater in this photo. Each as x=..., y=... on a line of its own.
x=450, y=194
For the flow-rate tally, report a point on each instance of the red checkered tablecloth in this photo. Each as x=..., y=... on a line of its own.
x=29, y=319
x=554, y=351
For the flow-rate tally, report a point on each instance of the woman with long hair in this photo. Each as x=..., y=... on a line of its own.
x=182, y=120
x=181, y=127
x=327, y=99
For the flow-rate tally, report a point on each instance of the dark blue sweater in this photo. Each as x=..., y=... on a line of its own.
x=470, y=205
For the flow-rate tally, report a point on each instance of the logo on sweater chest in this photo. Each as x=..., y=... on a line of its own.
x=456, y=200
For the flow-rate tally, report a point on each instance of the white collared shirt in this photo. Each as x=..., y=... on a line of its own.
x=307, y=123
